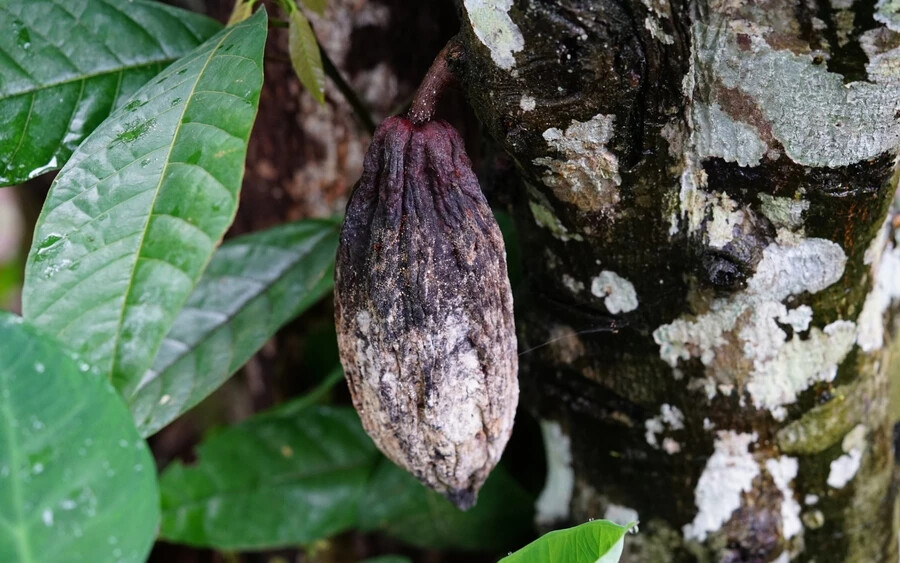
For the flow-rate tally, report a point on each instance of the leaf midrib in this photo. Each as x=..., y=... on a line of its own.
x=130, y=285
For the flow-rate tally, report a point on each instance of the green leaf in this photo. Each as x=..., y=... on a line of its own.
x=65, y=65
x=281, y=478
x=253, y=286
x=317, y=6
x=396, y=503
x=241, y=11
x=388, y=559
x=77, y=483
x=305, y=56
x=135, y=215
x=598, y=541
x=302, y=472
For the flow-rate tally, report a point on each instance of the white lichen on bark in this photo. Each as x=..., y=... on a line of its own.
x=888, y=13
x=618, y=293
x=844, y=468
x=657, y=12
x=784, y=212
x=729, y=471
x=587, y=173
x=553, y=503
x=545, y=217
x=884, y=259
x=527, y=103
x=718, y=134
x=775, y=368
x=726, y=215
x=784, y=470
x=819, y=120
x=669, y=417
x=496, y=30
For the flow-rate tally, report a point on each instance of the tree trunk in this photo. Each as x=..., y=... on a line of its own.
x=704, y=207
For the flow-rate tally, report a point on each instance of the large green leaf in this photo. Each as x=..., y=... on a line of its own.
x=137, y=212
x=281, y=478
x=396, y=503
x=598, y=541
x=77, y=483
x=253, y=285
x=300, y=473
x=66, y=64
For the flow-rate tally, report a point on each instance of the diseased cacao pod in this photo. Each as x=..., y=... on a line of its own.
x=424, y=310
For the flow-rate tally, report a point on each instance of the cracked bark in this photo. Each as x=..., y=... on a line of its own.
x=707, y=188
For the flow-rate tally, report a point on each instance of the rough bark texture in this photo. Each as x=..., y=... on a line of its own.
x=424, y=311
x=705, y=187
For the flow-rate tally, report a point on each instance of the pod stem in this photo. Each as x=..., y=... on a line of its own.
x=438, y=78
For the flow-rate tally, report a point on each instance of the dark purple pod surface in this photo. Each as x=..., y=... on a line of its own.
x=424, y=310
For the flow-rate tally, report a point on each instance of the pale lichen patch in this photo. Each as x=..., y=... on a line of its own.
x=725, y=217
x=840, y=125
x=798, y=319
x=496, y=30
x=784, y=470
x=669, y=417
x=729, y=471
x=783, y=212
x=719, y=135
x=572, y=284
x=885, y=290
x=775, y=367
x=888, y=13
x=587, y=174
x=778, y=378
x=618, y=293
x=545, y=217
x=652, y=25
x=670, y=446
x=653, y=22
x=527, y=103
x=553, y=503
x=844, y=468
x=692, y=199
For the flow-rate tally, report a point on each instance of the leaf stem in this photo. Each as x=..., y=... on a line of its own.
x=332, y=72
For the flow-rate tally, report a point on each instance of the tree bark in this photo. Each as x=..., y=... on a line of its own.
x=704, y=206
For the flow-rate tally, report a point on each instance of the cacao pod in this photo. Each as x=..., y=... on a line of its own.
x=423, y=310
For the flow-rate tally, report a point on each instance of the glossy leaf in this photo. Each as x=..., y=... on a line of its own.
x=253, y=285
x=305, y=55
x=281, y=478
x=66, y=64
x=396, y=503
x=77, y=483
x=135, y=215
x=598, y=541
x=301, y=473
